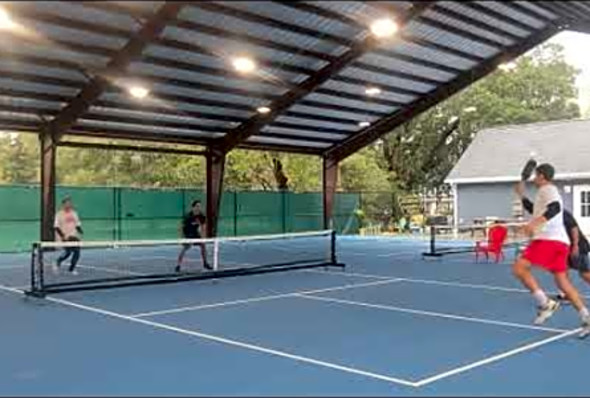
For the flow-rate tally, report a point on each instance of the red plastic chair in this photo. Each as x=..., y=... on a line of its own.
x=496, y=237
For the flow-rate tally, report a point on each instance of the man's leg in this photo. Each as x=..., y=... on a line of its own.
x=75, y=258
x=183, y=251
x=566, y=286
x=204, y=256
x=64, y=255
x=547, y=307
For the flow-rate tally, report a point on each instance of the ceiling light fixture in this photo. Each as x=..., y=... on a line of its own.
x=383, y=28
x=5, y=21
x=138, y=92
x=373, y=91
x=244, y=64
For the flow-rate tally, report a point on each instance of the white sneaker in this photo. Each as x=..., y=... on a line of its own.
x=74, y=272
x=547, y=312
x=585, y=328
x=55, y=269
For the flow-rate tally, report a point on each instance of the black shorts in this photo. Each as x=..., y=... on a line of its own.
x=189, y=245
x=580, y=263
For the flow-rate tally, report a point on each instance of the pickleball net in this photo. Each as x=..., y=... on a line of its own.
x=130, y=263
x=447, y=240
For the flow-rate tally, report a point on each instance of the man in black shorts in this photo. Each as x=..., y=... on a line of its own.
x=191, y=228
x=579, y=250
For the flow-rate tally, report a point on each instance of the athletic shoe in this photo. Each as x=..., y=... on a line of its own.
x=561, y=297
x=55, y=269
x=73, y=272
x=546, y=312
x=208, y=266
x=585, y=328
x=177, y=268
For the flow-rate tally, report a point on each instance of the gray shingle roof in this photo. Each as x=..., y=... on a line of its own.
x=498, y=154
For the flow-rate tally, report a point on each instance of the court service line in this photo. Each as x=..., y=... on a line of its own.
x=430, y=313
x=428, y=281
x=495, y=358
x=236, y=343
x=346, y=273
x=263, y=298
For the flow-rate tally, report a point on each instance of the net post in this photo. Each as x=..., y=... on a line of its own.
x=33, y=270
x=432, y=239
x=333, y=247
x=216, y=255
x=41, y=266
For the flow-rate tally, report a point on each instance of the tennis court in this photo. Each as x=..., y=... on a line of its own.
x=389, y=324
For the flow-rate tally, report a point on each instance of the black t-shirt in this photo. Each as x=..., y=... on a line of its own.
x=191, y=224
x=570, y=222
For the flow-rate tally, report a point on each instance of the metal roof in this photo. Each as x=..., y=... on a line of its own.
x=498, y=154
x=66, y=69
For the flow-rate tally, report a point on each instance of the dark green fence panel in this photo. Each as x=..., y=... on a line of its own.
x=133, y=213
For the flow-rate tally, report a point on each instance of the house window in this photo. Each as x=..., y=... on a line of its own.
x=585, y=204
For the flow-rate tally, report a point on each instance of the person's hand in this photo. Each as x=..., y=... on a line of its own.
x=530, y=228
x=519, y=188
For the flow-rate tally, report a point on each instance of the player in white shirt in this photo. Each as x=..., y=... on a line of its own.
x=68, y=229
x=549, y=249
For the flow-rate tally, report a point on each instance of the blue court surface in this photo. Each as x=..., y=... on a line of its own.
x=390, y=324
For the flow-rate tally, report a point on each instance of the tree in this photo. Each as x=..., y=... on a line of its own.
x=19, y=160
x=540, y=88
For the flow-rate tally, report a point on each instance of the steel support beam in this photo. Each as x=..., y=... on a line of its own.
x=329, y=182
x=388, y=124
x=133, y=148
x=48, y=153
x=117, y=65
x=215, y=172
x=253, y=125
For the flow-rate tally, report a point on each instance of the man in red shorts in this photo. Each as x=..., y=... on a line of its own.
x=549, y=250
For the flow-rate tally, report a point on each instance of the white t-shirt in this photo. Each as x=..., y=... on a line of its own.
x=67, y=221
x=554, y=228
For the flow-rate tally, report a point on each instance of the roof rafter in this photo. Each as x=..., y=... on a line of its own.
x=256, y=123
x=388, y=124
x=131, y=51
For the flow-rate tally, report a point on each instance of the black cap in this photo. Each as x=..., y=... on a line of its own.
x=546, y=170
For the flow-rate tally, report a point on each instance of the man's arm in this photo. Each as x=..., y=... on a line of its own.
x=79, y=225
x=526, y=203
x=573, y=230
x=552, y=210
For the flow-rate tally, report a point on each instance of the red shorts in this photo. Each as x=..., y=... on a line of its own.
x=548, y=254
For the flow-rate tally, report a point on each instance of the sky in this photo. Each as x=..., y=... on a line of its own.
x=576, y=52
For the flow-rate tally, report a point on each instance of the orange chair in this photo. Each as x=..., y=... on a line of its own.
x=496, y=237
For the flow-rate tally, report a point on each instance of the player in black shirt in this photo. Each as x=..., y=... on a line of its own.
x=579, y=246
x=191, y=228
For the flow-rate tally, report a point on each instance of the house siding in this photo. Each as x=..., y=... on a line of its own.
x=496, y=199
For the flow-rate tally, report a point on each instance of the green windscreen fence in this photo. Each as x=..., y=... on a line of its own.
x=134, y=213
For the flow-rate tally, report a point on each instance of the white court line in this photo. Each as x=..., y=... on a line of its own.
x=346, y=273
x=495, y=358
x=430, y=282
x=262, y=298
x=430, y=313
x=234, y=343
x=299, y=358
x=9, y=267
